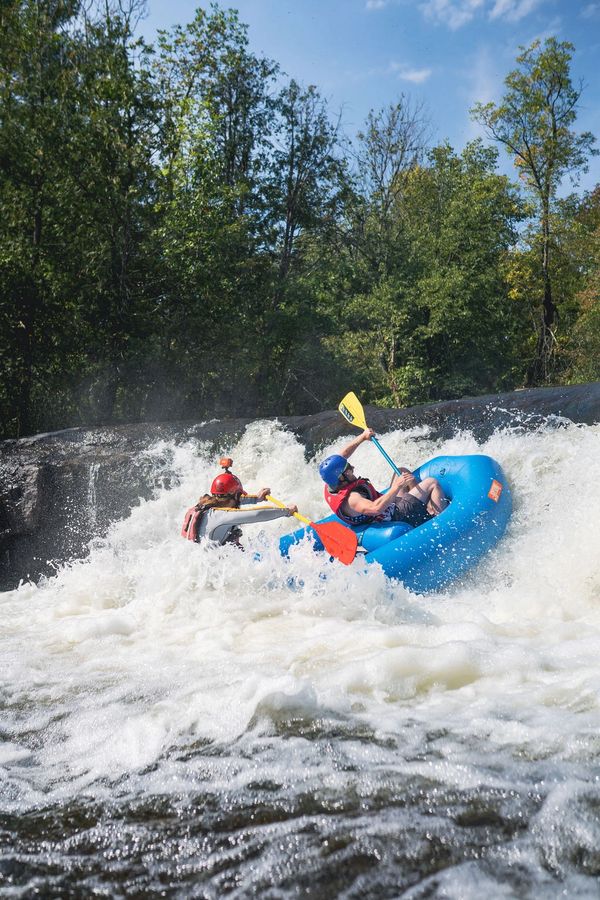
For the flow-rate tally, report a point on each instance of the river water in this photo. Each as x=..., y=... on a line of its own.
x=186, y=721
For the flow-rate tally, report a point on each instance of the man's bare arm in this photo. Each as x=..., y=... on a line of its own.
x=349, y=449
x=362, y=506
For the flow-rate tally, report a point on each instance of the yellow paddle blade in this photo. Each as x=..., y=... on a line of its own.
x=351, y=409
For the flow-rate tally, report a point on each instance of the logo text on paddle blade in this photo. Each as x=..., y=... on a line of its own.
x=346, y=413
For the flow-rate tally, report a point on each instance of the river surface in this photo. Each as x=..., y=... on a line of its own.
x=183, y=721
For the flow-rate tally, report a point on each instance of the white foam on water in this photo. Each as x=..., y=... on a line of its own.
x=152, y=644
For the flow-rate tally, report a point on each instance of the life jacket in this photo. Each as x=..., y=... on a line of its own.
x=191, y=521
x=191, y=524
x=336, y=501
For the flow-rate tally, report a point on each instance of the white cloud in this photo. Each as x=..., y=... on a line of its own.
x=376, y=4
x=485, y=85
x=453, y=13
x=591, y=10
x=456, y=13
x=513, y=10
x=416, y=76
x=402, y=71
x=485, y=78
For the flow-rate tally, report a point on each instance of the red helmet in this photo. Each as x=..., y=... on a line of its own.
x=226, y=483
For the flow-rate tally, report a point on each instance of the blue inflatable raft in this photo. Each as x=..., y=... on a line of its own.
x=431, y=556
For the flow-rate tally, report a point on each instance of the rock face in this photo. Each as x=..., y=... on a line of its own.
x=51, y=484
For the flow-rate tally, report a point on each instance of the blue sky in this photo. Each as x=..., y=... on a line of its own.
x=446, y=54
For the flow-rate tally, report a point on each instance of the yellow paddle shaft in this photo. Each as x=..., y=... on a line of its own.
x=284, y=506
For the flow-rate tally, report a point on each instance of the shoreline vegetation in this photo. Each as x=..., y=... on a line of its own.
x=188, y=233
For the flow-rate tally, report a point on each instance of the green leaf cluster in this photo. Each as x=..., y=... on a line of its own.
x=185, y=232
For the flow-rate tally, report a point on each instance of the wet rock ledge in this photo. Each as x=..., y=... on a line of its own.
x=55, y=487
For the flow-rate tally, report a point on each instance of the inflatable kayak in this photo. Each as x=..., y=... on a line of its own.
x=429, y=557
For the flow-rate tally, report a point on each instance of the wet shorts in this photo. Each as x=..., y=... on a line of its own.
x=410, y=509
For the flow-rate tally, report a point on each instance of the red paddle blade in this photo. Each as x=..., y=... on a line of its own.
x=338, y=540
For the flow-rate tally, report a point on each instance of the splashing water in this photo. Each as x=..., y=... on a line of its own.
x=195, y=720
x=91, y=494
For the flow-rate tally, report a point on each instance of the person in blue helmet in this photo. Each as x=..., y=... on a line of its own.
x=356, y=502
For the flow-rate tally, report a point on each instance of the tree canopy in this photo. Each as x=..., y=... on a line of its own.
x=186, y=232
x=534, y=121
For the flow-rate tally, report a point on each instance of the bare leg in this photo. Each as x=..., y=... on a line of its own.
x=429, y=491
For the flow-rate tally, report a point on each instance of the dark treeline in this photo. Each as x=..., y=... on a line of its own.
x=185, y=232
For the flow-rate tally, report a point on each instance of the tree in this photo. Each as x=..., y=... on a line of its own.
x=583, y=348
x=460, y=220
x=436, y=322
x=217, y=121
x=37, y=69
x=392, y=144
x=534, y=122
x=302, y=180
x=303, y=169
x=109, y=212
x=372, y=254
x=76, y=139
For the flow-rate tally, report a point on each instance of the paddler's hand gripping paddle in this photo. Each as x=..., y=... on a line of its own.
x=352, y=411
x=338, y=540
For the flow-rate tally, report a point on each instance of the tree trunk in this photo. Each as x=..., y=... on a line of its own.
x=26, y=331
x=541, y=366
x=391, y=373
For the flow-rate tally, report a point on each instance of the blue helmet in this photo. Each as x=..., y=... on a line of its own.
x=331, y=469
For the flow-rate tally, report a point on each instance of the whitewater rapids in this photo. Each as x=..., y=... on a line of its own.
x=189, y=720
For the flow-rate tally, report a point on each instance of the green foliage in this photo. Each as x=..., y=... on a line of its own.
x=534, y=122
x=535, y=118
x=185, y=233
x=582, y=347
x=76, y=138
x=437, y=322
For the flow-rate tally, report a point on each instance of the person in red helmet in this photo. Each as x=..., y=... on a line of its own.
x=217, y=516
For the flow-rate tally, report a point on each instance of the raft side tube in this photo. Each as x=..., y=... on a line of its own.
x=436, y=553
